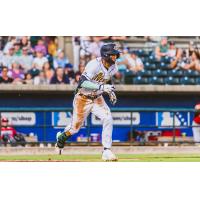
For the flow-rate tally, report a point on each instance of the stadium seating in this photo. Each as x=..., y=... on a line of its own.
x=140, y=80
x=175, y=73
x=191, y=73
x=156, y=80
x=159, y=72
x=187, y=81
x=171, y=80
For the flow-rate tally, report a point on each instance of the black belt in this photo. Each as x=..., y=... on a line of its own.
x=93, y=97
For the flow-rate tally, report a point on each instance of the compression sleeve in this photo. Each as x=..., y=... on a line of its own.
x=85, y=83
x=90, y=85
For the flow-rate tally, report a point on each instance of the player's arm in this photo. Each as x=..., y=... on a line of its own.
x=84, y=82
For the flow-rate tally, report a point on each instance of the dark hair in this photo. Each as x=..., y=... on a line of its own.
x=196, y=52
x=171, y=43
x=4, y=67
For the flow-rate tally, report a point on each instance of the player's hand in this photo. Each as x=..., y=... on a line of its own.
x=113, y=98
x=107, y=88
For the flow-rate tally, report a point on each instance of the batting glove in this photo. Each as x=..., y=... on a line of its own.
x=113, y=98
x=107, y=88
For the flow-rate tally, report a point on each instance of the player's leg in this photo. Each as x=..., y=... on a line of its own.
x=102, y=111
x=81, y=109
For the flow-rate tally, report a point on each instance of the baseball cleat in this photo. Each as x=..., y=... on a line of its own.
x=60, y=143
x=107, y=155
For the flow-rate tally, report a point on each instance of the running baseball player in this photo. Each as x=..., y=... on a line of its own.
x=88, y=98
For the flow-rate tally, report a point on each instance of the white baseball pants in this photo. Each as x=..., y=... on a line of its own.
x=196, y=132
x=82, y=107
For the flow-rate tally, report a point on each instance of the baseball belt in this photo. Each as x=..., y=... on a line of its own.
x=90, y=97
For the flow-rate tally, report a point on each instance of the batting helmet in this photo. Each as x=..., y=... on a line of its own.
x=108, y=50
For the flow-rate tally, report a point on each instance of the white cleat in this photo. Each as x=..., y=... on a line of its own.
x=108, y=156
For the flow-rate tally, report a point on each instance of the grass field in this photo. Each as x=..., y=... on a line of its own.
x=97, y=158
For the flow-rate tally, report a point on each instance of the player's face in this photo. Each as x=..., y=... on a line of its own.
x=113, y=58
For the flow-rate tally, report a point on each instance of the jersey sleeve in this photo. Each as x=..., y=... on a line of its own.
x=90, y=70
x=114, y=70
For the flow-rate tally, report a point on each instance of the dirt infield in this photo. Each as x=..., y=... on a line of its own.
x=89, y=150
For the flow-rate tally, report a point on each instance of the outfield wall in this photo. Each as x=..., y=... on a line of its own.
x=129, y=96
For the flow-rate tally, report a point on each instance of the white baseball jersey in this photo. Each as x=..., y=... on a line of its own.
x=97, y=73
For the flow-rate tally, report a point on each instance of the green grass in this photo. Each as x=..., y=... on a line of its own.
x=97, y=158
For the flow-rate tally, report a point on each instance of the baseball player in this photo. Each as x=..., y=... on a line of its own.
x=196, y=124
x=88, y=98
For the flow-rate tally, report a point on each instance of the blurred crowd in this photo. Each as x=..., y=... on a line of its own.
x=38, y=59
x=34, y=60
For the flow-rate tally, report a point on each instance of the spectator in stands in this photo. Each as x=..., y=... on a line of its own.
x=95, y=47
x=194, y=61
x=40, y=59
x=81, y=67
x=162, y=49
x=11, y=41
x=25, y=42
x=134, y=63
x=9, y=58
x=77, y=77
x=130, y=61
x=4, y=78
x=34, y=71
x=122, y=61
x=41, y=46
x=59, y=77
x=52, y=46
x=48, y=72
x=34, y=40
x=69, y=71
x=191, y=48
x=25, y=59
x=28, y=79
x=16, y=72
x=78, y=73
x=180, y=59
x=1, y=58
x=61, y=60
x=17, y=49
x=172, y=49
x=40, y=79
x=85, y=53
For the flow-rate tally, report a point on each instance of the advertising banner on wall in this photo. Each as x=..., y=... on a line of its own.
x=170, y=119
x=20, y=118
x=120, y=118
x=62, y=119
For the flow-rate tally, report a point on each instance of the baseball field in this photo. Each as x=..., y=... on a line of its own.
x=97, y=158
x=93, y=154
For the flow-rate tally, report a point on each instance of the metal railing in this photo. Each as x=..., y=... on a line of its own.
x=88, y=126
